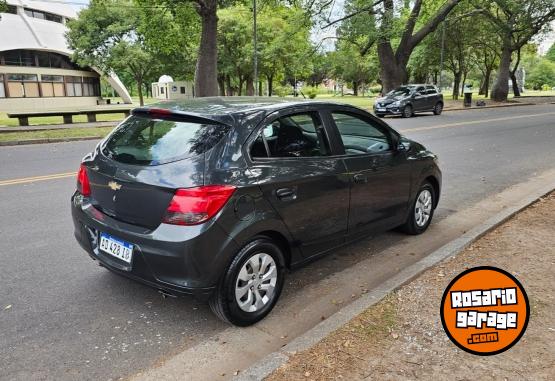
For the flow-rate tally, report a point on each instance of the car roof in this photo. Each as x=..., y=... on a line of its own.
x=224, y=109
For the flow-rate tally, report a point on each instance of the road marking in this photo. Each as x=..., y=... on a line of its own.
x=24, y=180
x=474, y=122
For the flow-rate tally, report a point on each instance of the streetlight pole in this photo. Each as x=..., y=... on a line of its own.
x=255, y=43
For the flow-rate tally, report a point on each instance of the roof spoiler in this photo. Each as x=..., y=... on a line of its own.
x=174, y=114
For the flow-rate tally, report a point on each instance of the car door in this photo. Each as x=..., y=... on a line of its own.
x=379, y=172
x=291, y=162
x=419, y=99
x=431, y=97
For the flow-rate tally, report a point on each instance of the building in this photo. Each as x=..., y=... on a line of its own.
x=167, y=88
x=36, y=72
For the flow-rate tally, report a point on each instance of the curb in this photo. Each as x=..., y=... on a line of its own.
x=47, y=140
x=55, y=127
x=273, y=361
x=482, y=107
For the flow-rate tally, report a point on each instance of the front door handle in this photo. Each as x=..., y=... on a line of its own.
x=359, y=178
x=286, y=194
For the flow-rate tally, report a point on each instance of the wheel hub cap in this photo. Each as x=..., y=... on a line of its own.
x=423, y=208
x=256, y=282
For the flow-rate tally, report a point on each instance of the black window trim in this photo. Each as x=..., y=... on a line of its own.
x=280, y=114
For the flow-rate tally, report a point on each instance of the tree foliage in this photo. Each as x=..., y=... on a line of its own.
x=106, y=36
x=515, y=22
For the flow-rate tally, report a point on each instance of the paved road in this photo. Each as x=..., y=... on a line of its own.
x=70, y=319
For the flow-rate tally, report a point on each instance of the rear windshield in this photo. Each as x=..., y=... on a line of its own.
x=146, y=141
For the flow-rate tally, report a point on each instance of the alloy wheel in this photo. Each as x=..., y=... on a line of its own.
x=423, y=208
x=256, y=282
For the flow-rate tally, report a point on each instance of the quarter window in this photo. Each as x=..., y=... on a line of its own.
x=298, y=135
x=360, y=136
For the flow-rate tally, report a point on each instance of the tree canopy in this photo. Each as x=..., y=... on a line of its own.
x=382, y=42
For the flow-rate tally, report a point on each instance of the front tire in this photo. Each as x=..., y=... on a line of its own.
x=407, y=111
x=251, y=285
x=380, y=115
x=422, y=211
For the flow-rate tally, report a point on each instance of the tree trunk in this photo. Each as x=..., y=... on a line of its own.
x=250, y=87
x=240, y=89
x=221, y=84
x=140, y=91
x=270, y=79
x=260, y=88
x=500, y=90
x=484, y=88
x=481, y=86
x=355, y=88
x=516, y=90
x=456, y=84
x=463, y=83
x=392, y=73
x=206, y=72
x=229, y=90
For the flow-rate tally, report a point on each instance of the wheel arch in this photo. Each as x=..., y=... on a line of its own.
x=281, y=241
x=437, y=189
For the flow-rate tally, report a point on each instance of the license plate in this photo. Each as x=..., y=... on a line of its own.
x=380, y=109
x=116, y=247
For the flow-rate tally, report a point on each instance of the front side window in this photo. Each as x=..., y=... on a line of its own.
x=360, y=136
x=298, y=135
x=147, y=141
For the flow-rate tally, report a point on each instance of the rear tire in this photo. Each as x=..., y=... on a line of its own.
x=421, y=211
x=407, y=111
x=251, y=285
x=438, y=108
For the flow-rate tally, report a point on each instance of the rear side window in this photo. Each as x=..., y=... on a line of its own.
x=431, y=90
x=298, y=135
x=146, y=141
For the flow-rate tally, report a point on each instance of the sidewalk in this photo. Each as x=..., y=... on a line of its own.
x=401, y=337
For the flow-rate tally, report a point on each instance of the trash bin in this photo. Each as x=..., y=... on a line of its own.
x=467, y=95
x=467, y=99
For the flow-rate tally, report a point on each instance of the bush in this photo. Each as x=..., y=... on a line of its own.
x=375, y=89
x=282, y=91
x=310, y=92
x=546, y=88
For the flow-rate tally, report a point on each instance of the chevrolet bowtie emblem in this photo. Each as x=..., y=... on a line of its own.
x=114, y=186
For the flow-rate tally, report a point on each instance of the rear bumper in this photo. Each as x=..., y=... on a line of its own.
x=180, y=260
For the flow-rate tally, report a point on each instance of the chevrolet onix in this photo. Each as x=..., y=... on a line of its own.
x=217, y=197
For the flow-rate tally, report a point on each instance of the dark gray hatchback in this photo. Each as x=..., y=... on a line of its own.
x=216, y=197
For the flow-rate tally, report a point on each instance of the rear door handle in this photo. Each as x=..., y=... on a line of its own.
x=359, y=178
x=286, y=194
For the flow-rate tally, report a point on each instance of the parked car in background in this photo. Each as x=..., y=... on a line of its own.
x=217, y=197
x=409, y=99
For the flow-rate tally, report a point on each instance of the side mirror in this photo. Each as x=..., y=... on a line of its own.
x=416, y=95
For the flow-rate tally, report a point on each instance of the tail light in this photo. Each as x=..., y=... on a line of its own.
x=83, y=185
x=193, y=206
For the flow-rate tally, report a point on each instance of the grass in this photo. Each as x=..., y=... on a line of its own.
x=77, y=132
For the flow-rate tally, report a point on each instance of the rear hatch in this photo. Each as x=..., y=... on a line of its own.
x=135, y=172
